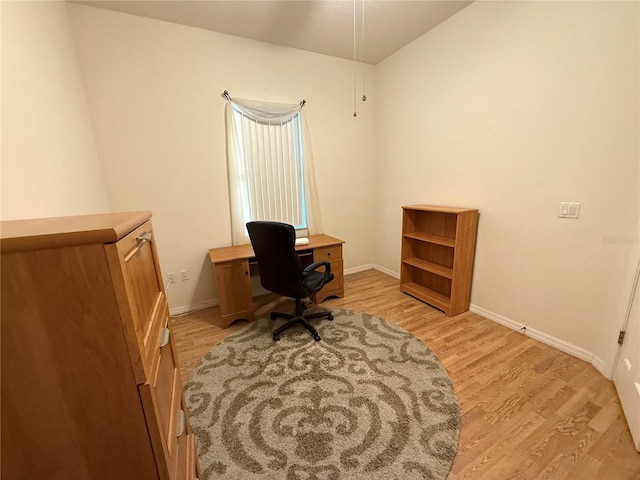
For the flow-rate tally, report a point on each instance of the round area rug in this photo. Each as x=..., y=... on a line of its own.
x=369, y=401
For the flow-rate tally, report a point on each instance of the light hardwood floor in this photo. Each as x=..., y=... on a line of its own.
x=528, y=410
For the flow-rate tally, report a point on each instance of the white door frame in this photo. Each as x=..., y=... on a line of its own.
x=626, y=376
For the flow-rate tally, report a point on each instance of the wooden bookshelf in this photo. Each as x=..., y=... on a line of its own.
x=438, y=246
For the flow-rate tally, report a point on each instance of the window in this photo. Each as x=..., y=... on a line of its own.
x=270, y=169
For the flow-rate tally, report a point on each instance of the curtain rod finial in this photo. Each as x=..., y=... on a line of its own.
x=225, y=94
x=302, y=103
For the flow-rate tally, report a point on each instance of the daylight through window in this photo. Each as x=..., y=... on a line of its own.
x=270, y=168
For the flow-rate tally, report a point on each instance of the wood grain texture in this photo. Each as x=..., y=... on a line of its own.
x=438, y=272
x=80, y=340
x=70, y=405
x=335, y=288
x=135, y=269
x=235, y=265
x=55, y=232
x=528, y=411
x=226, y=254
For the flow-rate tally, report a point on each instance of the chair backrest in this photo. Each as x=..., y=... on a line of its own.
x=274, y=247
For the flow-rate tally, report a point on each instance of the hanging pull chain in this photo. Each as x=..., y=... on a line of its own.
x=364, y=65
x=355, y=104
x=355, y=111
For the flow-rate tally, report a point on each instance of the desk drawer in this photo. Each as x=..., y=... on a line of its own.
x=330, y=254
x=335, y=288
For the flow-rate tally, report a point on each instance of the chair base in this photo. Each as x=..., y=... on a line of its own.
x=299, y=318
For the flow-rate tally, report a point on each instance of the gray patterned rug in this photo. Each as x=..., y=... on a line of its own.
x=369, y=401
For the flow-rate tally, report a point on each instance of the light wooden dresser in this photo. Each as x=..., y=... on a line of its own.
x=90, y=382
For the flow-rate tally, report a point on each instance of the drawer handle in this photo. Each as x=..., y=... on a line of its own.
x=144, y=237
x=181, y=424
x=165, y=336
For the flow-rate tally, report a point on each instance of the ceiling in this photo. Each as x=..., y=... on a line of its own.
x=321, y=26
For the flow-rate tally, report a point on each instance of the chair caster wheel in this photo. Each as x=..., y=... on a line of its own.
x=276, y=338
x=316, y=338
x=330, y=317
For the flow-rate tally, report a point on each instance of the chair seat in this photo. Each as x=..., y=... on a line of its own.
x=314, y=281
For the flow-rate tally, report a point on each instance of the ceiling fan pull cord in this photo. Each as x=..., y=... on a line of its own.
x=364, y=63
x=355, y=65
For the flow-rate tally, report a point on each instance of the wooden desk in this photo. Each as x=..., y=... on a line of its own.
x=235, y=265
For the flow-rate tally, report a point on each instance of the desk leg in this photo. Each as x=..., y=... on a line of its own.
x=233, y=281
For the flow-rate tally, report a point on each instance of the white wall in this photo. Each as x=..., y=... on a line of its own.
x=154, y=91
x=49, y=160
x=510, y=107
x=513, y=107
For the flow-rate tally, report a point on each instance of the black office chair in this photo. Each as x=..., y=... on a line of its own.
x=281, y=272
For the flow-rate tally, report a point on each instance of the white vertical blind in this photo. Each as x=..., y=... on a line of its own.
x=270, y=167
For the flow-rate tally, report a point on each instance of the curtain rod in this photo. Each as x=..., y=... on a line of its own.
x=226, y=95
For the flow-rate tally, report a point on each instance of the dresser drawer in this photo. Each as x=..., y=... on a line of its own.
x=161, y=400
x=186, y=465
x=137, y=281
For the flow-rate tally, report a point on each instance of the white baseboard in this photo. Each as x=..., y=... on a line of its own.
x=386, y=271
x=361, y=268
x=602, y=367
x=547, y=339
x=372, y=266
x=194, y=307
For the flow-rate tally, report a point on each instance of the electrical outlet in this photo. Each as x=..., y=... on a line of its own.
x=184, y=275
x=569, y=210
x=171, y=278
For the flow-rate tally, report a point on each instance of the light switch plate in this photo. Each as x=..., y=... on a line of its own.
x=569, y=210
